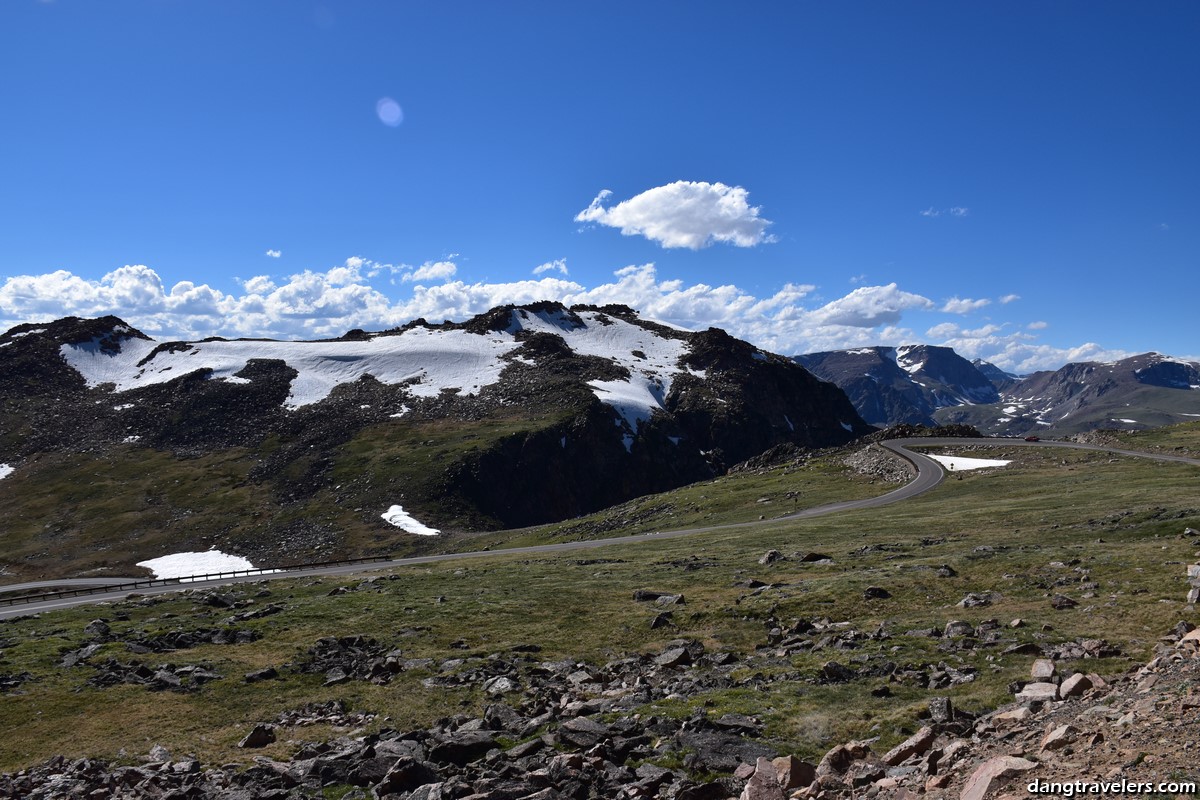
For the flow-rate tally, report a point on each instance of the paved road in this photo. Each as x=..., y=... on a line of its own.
x=929, y=474
x=66, y=583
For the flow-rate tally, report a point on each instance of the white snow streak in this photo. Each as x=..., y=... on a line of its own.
x=961, y=464
x=5, y=471
x=396, y=515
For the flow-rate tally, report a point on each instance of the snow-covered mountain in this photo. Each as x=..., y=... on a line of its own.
x=1144, y=391
x=517, y=416
x=902, y=385
x=921, y=384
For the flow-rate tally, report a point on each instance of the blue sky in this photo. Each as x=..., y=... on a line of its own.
x=1016, y=180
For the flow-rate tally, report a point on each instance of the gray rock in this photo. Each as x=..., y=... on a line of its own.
x=583, y=732
x=97, y=627
x=957, y=627
x=260, y=736
x=462, y=748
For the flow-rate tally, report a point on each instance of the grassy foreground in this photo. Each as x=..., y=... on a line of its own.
x=1022, y=532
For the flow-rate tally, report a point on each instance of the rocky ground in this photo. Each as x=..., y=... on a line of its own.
x=566, y=729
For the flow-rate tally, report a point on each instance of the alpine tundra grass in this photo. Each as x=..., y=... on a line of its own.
x=1018, y=534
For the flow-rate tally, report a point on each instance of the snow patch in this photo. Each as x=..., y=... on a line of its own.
x=396, y=515
x=846, y=426
x=634, y=400
x=186, y=565
x=130, y=439
x=961, y=464
x=433, y=360
x=615, y=339
x=5, y=471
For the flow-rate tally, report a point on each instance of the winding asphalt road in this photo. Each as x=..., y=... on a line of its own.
x=929, y=474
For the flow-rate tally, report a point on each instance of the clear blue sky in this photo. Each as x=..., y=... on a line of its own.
x=1051, y=146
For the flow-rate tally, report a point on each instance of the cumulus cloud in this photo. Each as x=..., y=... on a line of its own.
x=274, y=253
x=1038, y=326
x=1009, y=298
x=691, y=214
x=870, y=306
x=558, y=265
x=957, y=305
x=958, y=211
x=431, y=271
x=316, y=304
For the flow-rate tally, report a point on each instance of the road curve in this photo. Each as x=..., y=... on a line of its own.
x=929, y=474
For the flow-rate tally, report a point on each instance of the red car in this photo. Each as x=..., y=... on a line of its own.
x=1032, y=439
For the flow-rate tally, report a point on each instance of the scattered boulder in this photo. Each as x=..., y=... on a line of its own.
x=260, y=736
x=1060, y=602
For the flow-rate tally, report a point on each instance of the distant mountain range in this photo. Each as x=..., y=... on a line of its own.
x=926, y=385
x=295, y=450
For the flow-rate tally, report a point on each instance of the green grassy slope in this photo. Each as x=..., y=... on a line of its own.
x=1021, y=532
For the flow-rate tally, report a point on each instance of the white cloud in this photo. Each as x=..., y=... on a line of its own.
x=1009, y=298
x=870, y=306
x=1038, y=326
x=954, y=211
x=691, y=214
x=259, y=284
x=274, y=253
x=957, y=305
x=432, y=271
x=315, y=304
x=558, y=265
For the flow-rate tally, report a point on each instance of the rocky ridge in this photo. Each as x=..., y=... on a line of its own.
x=924, y=385
x=519, y=416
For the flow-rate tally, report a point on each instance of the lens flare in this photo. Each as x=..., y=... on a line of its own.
x=389, y=112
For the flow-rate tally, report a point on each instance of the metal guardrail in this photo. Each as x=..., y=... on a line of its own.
x=182, y=580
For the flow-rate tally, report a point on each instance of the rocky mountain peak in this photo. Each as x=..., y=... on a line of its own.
x=520, y=415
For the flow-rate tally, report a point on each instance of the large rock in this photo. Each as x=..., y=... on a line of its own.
x=914, y=745
x=462, y=747
x=991, y=773
x=583, y=732
x=764, y=783
x=1075, y=686
x=793, y=773
x=405, y=775
x=260, y=736
x=1038, y=692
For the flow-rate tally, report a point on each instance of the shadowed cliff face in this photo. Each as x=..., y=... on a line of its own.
x=576, y=410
